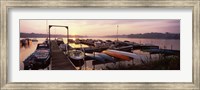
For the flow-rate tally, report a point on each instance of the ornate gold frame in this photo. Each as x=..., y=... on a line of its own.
x=4, y=54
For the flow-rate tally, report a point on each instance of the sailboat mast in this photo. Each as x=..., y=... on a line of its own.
x=117, y=33
x=47, y=29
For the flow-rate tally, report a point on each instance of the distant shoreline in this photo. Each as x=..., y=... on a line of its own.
x=138, y=36
x=105, y=37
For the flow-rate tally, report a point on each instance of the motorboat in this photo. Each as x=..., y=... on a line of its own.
x=39, y=59
x=60, y=41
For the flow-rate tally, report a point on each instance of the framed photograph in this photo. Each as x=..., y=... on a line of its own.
x=103, y=44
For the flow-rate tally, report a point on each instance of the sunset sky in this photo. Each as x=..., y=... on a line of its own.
x=101, y=27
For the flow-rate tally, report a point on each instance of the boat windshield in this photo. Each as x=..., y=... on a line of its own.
x=42, y=46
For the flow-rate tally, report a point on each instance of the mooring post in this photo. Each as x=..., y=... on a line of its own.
x=84, y=55
x=67, y=40
x=49, y=39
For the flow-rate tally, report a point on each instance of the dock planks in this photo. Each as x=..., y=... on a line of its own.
x=59, y=61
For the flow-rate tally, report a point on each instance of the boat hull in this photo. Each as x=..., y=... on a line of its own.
x=77, y=63
x=40, y=59
x=117, y=55
x=34, y=64
x=128, y=54
x=95, y=57
x=106, y=57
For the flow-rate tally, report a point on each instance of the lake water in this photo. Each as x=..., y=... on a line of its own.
x=162, y=43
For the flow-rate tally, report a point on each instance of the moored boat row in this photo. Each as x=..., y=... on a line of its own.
x=101, y=52
x=82, y=50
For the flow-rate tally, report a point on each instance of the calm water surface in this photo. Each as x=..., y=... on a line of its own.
x=162, y=43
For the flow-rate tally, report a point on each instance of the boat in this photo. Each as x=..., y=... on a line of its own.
x=95, y=57
x=125, y=48
x=131, y=55
x=71, y=41
x=64, y=47
x=106, y=57
x=77, y=41
x=144, y=47
x=46, y=41
x=76, y=57
x=76, y=54
x=59, y=41
x=39, y=59
x=117, y=55
x=165, y=52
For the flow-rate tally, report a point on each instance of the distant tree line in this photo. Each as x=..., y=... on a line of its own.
x=155, y=35
x=37, y=35
x=152, y=35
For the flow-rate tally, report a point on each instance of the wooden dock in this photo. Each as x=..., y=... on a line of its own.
x=59, y=61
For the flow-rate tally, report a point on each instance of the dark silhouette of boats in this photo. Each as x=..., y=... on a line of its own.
x=59, y=41
x=25, y=42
